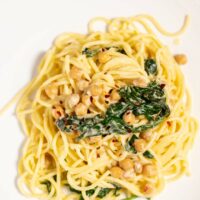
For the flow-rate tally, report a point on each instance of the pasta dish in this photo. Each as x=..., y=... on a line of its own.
x=107, y=116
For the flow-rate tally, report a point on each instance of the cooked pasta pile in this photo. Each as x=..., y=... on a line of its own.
x=80, y=143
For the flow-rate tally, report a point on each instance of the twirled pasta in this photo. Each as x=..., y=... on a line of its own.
x=52, y=160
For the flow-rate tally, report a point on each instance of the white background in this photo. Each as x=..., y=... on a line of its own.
x=27, y=29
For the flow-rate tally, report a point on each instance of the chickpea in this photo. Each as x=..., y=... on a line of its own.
x=181, y=59
x=137, y=167
x=140, y=82
x=149, y=170
x=126, y=164
x=58, y=112
x=73, y=100
x=146, y=135
x=139, y=145
x=51, y=91
x=117, y=172
x=76, y=73
x=86, y=99
x=82, y=84
x=81, y=109
x=115, y=95
x=95, y=90
x=103, y=57
x=129, y=117
x=148, y=188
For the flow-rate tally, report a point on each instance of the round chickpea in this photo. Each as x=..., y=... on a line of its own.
x=58, y=111
x=139, y=145
x=129, y=117
x=146, y=135
x=103, y=57
x=81, y=109
x=76, y=73
x=117, y=172
x=82, y=84
x=115, y=95
x=126, y=164
x=148, y=188
x=181, y=59
x=95, y=90
x=149, y=170
x=73, y=100
x=86, y=99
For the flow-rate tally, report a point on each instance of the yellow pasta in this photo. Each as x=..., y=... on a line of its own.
x=69, y=81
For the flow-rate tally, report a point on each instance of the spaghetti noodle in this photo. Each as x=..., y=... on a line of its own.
x=84, y=76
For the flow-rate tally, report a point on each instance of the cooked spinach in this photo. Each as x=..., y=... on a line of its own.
x=117, y=188
x=55, y=178
x=131, y=198
x=48, y=185
x=89, y=193
x=149, y=102
x=118, y=49
x=74, y=190
x=81, y=198
x=101, y=194
x=150, y=67
x=134, y=197
x=93, y=52
x=90, y=52
x=148, y=154
x=129, y=146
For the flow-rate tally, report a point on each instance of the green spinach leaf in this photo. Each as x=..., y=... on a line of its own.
x=117, y=188
x=90, y=52
x=129, y=146
x=74, y=190
x=48, y=185
x=150, y=67
x=131, y=198
x=89, y=193
x=103, y=192
x=149, y=102
x=93, y=52
x=148, y=154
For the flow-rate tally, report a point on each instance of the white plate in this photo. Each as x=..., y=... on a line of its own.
x=27, y=29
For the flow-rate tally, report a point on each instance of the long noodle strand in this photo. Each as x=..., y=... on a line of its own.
x=53, y=160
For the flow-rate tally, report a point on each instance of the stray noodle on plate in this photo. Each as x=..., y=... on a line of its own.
x=107, y=116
